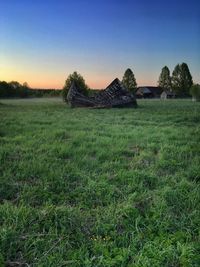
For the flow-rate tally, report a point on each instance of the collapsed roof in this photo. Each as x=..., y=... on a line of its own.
x=115, y=95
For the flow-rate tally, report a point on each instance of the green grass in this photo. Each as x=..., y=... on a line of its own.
x=99, y=187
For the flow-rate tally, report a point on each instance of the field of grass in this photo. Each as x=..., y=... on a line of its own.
x=99, y=187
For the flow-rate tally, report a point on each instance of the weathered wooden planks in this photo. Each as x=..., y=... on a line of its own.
x=115, y=95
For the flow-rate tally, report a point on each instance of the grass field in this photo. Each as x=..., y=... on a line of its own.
x=99, y=187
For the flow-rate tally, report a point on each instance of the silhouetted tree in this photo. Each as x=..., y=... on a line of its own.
x=129, y=81
x=24, y=91
x=15, y=88
x=4, y=89
x=165, y=79
x=182, y=79
x=80, y=82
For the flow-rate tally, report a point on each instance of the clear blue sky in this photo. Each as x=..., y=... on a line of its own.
x=41, y=42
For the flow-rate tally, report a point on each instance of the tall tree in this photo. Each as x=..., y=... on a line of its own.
x=129, y=81
x=182, y=79
x=165, y=79
x=176, y=79
x=80, y=82
x=187, y=81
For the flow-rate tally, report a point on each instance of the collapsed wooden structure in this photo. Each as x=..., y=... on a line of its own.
x=115, y=95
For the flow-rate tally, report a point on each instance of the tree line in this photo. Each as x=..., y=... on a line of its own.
x=15, y=89
x=181, y=82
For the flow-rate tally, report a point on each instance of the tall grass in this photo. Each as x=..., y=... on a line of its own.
x=109, y=187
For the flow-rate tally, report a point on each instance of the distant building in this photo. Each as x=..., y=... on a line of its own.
x=167, y=94
x=148, y=92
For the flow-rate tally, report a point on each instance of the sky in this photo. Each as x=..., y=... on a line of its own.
x=43, y=41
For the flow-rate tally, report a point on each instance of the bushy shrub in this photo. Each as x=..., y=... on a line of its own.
x=195, y=92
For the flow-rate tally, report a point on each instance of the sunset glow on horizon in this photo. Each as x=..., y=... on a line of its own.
x=42, y=43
